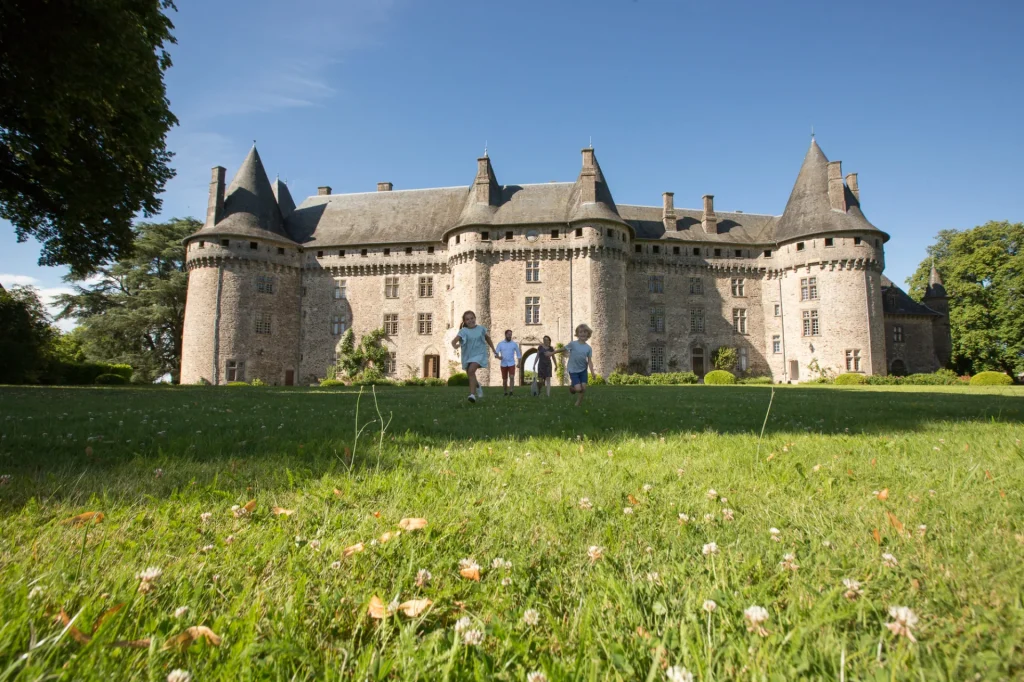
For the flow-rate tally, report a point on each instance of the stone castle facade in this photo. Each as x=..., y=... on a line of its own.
x=274, y=286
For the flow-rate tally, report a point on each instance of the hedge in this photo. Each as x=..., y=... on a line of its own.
x=755, y=381
x=850, y=379
x=943, y=377
x=331, y=383
x=991, y=379
x=82, y=373
x=458, y=379
x=237, y=383
x=596, y=380
x=111, y=380
x=719, y=377
x=420, y=381
x=657, y=379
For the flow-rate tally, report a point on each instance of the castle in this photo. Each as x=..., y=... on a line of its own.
x=274, y=286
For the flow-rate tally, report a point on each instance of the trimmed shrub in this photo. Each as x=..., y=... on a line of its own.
x=257, y=382
x=754, y=381
x=237, y=383
x=371, y=376
x=111, y=380
x=331, y=383
x=596, y=380
x=433, y=381
x=850, y=379
x=617, y=378
x=991, y=379
x=414, y=381
x=719, y=377
x=458, y=379
x=82, y=373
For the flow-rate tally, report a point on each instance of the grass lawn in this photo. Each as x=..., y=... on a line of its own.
x=587, y=570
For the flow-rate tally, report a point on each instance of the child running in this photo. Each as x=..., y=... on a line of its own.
x=544, y=353
x=581, y=356
x=474, y=341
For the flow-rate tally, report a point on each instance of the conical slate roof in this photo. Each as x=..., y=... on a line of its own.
x=935, y=287
x=285, y=203
x=604, y=207
x=809, y=211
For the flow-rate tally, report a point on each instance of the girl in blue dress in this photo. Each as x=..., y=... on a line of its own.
x=474, y=340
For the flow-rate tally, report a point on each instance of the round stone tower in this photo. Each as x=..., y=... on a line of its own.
x=827, y=270
x=244, y=291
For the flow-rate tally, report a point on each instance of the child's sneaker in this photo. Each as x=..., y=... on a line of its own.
x=472, y=398
x=479, y=391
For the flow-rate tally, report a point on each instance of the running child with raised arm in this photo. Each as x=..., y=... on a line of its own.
x=581, y=357
x=474, y=341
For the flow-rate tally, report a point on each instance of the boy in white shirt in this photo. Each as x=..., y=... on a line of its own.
x=581, y=356
x=508, y=351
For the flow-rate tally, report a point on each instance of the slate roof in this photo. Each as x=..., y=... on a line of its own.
x=254, y=207
x=895, y=301
x=809, y=211
x=935, y=287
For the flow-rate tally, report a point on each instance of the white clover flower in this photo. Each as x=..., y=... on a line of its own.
x=904, y=621
x=627, y=510
x=756, y=617
x=712, y=493
x=35, y=593
x=393, y=606
x=531, y=617
x=180, y=611
x=147, y=577
x=775, y=532
x=595, y=553
x=684, y=518
x=536, y=676
x=179, y=675
x=205, y=516
x=501, y=563
x=423, y=577
x=723, y=500
x=727, y=514
x=648, y=487
x=473, y=637
x=922, y=529
x=206, y=548
x=314, y=545
x=889, y=561
x=336, y=565
x=463, y=624
x=709, y=605
x=654, y=577
x=229, y=539
x=5, y=479
x=159, y=473
x=585, y=503
x=709, y=518
x=677, y=673
x=469, y=564
x=789, y=562
x=853, y=589
x=506, y=581
x=710, y=548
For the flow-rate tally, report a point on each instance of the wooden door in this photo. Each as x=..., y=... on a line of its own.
x=289, y=377
x=431, y=366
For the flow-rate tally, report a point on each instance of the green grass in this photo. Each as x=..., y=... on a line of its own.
x=504, y=478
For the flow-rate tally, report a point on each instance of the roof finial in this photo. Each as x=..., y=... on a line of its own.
x=812, y=131
x=591, y=145
x=254, y=144
x=485, y=149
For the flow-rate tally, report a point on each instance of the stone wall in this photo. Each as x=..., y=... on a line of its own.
x=917, y=349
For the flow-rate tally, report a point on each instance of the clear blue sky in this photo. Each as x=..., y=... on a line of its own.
x=923, y=99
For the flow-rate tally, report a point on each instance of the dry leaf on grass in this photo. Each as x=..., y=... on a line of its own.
x=75, y=633
x=894, y=521
x=85, y=517
x=883, y=495
x=390, y=535
x=353, y=549
x=131, y=644
x=281, y=511
x=632, y=500
x=988, y=474
x=337, y=493
x=412, y=524
x=876, y=535
x=414, y=607
x=378, y=610
x=470, y=573
x=193, y=634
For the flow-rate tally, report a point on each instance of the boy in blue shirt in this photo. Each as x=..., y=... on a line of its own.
x=581, y=357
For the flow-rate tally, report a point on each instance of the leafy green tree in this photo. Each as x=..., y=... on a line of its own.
x=982, y=270
x=135, y=312
x=353, y=360
x=26, y=335
x=83, y=121
x=725, y=358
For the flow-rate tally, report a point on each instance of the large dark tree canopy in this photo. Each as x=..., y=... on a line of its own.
x=983, y=273
x=83, y=121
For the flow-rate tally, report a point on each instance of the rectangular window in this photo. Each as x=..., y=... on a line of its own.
x=656, y=249
x=387, y=252
x=897, y=333
x=264, y=284
x=579, y=231
x=425, y=323
x=390, y=287
x=696, y=286
x=739, y=320
x=340, y=289
x=743, y=360
x=657, y=359
x=853, y=360
x=638, y=248
x=799, y=246
x=235, y=370
x=509, y=236
x=657, y=319
x=263, y=323
x=253, y=245
x=737, y=253
x=363, y=252
x=341, y=253
x=337, y=325
x=810, y=320
x=224, y=242
x=856, y=241
x=485, y=236
x=391, y=324
x=391, y=363
x=533, y=271
x=554, y=234
x=675, y=250
x=718, y=253
x=458, y=238
x=430, y=249
x=808, y=288
x=656, y=284
x=408, y=251
x=767, y=253
x=738, y=287
x=533, y=310
x=319, y=254
x=829, y=241
x=280, y=250
x=778, y=310
x=426, y=287
x=696, y=320
x=776, y=344
x=696, y=251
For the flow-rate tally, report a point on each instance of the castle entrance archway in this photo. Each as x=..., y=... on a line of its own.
x=525, y=366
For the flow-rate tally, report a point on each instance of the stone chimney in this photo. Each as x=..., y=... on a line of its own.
x=668, y=211
x=709, y=221
x=323, y=191
x=836, y=192
x=384, y=186
x=588, y=177
x=215, y=208
x=485, y=185
x=851, y=182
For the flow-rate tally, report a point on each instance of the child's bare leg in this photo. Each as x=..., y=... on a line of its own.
x=471, y=371
x=579, y=394
x=547, y=385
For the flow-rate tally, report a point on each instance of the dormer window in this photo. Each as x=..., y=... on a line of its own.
x=579, y=231
x=718, y=253
x=341, y=253
x=408, y=251
x=319, y=254
x=799, y=246
x=856, y=241
x=509, y=235
x=363, y=252
x=280, y=251
x=738, y=253
x=829, y=241
x=485, y=236
x=554, y=234
x=675, y=250
x=767, y=253
x=430, y=249
x=387, y=252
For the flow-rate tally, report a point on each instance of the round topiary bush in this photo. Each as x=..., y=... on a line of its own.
x=719, y=377
x=850, y=379
x=111, y=380
x=458, y=379
x=331, y=383
x=991, y=379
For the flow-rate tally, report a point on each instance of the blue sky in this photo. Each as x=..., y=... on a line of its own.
x=922, y=99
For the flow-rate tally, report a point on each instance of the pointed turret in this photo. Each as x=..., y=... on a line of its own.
x=591, y=197
x=484, y=195
x=285, y=203
x=935, y=287
x=821, y=202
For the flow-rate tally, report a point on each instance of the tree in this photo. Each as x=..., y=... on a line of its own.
x=725, y=358
x=135, y=312
x=983, y=272
x=83, y=121
x=371, y=352
x=26, y=335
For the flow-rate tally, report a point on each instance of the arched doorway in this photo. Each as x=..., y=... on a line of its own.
x=898, y=368
x=523, y=365
x=697, y=361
